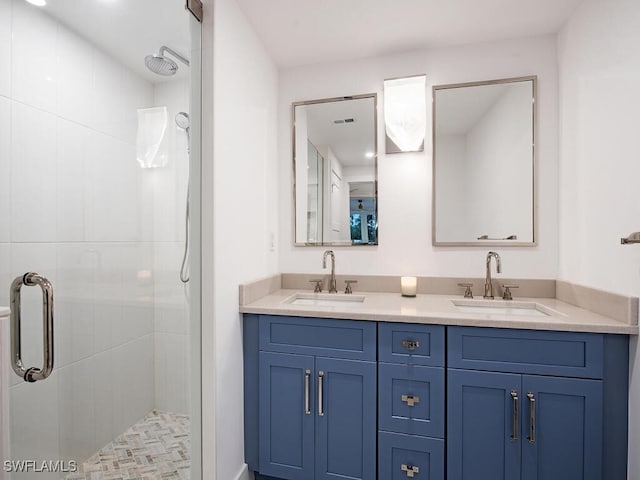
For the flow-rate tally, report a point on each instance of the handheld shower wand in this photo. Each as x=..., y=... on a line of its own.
x=183, y=122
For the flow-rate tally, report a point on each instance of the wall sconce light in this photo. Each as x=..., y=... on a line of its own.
x=405, y=114
x=151, y=151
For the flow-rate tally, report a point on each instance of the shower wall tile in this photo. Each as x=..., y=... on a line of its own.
x=5, y=170
x=33, y=175
x=106, y=315
x=34, y=57
x=109, y=80
x=70, y=179
x=133, y=383
x=171, y=182
x=76, y=411
x=117, y=94
x=5, y=47
x=75, y=77
x=171, y=311
x=34, y=421
x=111, y=189
x=172, y=374
x=5, y=273
x=103, y=386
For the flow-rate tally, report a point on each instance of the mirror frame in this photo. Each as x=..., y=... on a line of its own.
x=534, y=213
x=374, y=96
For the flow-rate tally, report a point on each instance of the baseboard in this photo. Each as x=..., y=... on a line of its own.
x=244, y=474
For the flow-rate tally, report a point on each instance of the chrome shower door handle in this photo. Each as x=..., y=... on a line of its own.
x=32, y=374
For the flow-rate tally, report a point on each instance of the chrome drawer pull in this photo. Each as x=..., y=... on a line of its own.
x=411, y=399
x=411, y=344
x=410, y=470
x=532, y=418
x=514, y=396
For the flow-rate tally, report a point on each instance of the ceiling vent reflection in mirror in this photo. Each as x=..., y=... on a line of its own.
x=405, y=114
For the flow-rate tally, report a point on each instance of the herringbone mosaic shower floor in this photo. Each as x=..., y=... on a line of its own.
x=156, y=448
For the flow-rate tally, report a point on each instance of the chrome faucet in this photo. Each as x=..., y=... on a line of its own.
x=332, y=280
x=488, y=286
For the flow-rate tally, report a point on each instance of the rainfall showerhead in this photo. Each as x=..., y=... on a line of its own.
x=160, y=64
x=182, y=120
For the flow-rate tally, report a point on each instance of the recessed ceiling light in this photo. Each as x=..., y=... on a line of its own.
x=369, y=155
x=38, y=3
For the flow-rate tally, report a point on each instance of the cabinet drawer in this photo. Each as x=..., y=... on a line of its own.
x=402, y=456
x=348, y=339
x=411, y=399
x=526, y=351
x=410, y=343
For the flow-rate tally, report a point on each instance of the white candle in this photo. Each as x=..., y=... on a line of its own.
x=408, y=286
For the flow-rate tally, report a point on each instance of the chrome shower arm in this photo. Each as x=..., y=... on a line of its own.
x=175, y=54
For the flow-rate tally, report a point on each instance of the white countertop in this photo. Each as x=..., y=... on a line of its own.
x=4, y=312
x=438, y=309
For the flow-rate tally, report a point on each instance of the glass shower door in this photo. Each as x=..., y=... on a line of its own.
x=103, y=374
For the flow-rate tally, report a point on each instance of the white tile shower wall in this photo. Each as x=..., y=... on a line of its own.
x=74, y=207
x=5, y=171
x=5, y=48
x=171, y=319
x=599, y=168
x=404, y=180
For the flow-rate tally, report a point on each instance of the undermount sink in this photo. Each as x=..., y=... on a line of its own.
x=503, y=307
x=326, y=300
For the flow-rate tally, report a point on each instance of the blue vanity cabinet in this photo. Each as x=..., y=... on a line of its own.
x=286, y=427
x=316, y=395
x=553, y=408
x=562, y=434
x=483, y=440
x=411, y=400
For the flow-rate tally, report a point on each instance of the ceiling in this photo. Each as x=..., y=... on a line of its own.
x=349, y=141
x=129, y=30
x=303, y=32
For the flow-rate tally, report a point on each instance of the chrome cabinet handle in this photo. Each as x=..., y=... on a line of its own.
x=410, y=470
x=532, y=418
x=411, y=399
x=320, y=379
x=307, y=407
x=411, y=344
x=32, y=374
x=514, y=396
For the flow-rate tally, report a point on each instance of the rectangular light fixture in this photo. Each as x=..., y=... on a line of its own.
x=405, y=114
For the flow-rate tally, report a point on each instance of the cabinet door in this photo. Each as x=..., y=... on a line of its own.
x=484, y=424
x=562, y=439
x=286, y=425
x=345, y=419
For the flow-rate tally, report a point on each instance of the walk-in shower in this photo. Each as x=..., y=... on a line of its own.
x=117, y=361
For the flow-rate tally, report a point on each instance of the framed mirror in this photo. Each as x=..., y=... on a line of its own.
x=483, y=163
x=335, y=174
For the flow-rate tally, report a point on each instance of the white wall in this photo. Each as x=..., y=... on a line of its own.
x=244, y=196
x=600, y=167
x=453, y=217
x=405, y=179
